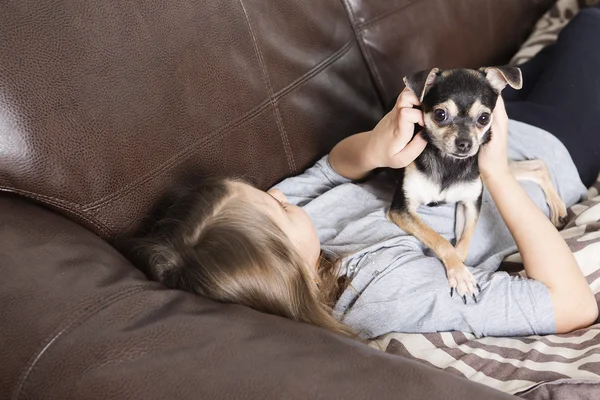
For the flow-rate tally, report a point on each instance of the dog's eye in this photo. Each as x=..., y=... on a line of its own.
x=439, y=115
x=484, y=119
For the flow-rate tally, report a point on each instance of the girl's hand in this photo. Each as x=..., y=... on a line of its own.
x=493, y=157
x=390, y=143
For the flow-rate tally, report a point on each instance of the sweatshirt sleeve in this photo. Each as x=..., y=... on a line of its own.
x=312, y=183
x=412, y=295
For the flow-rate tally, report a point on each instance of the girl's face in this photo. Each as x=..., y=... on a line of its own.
x=292, y=220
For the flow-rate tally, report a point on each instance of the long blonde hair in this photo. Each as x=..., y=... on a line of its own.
x=214, y=244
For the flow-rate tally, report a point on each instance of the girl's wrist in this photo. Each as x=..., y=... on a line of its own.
x=371, y=158
x=498, y=173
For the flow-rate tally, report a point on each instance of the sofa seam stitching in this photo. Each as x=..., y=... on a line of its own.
x=342, y=51
x=267, y=82
x=316, y=70
x=80, y=317
x=64, y=205
x=386, y=14
x=250, y=114
x=175, y=158
x=364, y=51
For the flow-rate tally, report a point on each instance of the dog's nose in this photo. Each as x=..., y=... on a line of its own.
x=464, y=145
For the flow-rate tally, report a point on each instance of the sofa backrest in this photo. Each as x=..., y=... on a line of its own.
x=105, y=106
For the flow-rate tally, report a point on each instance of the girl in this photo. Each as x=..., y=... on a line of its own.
x=318, y=248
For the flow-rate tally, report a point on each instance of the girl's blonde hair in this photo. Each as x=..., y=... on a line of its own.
x=213, y=243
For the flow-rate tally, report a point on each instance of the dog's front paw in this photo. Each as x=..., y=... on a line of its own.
x=537, y=171
x=462, y=282
x=558, y=210
x=462, y=251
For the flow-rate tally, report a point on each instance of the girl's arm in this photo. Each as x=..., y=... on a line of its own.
x=318, y=179
x=546, y=256
x=389, y=144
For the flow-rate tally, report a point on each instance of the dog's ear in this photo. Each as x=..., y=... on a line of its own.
x=420, y=82
x=498, y=77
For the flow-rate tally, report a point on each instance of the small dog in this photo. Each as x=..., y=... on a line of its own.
x=457, y=109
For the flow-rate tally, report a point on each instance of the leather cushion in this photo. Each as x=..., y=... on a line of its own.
x=403, y=36
x=79, y=322
x=104, y=106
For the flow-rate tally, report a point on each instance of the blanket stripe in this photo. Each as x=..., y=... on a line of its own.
x=517, y=364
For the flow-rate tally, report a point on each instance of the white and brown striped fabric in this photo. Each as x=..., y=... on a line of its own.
x=534, y=367
x=548, y=27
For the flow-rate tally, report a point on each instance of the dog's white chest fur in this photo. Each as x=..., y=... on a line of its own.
x=419, y=189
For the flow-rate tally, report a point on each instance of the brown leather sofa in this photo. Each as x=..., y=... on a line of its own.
x=106, y=105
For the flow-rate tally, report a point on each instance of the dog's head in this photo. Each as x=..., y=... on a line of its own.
x=458, y=105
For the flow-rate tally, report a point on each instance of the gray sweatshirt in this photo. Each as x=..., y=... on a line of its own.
x=397, y=283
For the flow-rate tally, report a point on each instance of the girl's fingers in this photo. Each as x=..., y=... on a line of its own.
x=407, y=99
x=410, y=152
x=409, y=147
x=500, y=104
x=499, y=121
x=500, y=110
x=407, y=119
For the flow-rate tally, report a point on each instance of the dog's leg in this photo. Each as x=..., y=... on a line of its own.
x=470, y=215
x=459, y=225
x=459, y=277
x=536, y=171
x=403, y=212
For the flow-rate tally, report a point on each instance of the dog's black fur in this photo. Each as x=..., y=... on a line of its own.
x=444, y=170
x=457, y=106
x=463, y=88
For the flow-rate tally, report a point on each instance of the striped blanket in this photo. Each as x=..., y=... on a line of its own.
x=548, y=27
x=563, y=366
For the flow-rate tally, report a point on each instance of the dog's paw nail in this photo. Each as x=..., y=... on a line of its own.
x=451, y=291
x=478, y=287
x=475, y=298
x=465, y=299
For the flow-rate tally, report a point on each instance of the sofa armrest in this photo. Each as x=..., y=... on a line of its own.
x=79, y=321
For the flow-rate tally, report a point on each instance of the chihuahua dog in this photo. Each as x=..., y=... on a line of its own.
x=457, y=109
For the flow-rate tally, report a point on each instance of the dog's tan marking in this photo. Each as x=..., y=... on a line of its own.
x=447, y=133
x=459, y=276
x=471, y=215
x=449, y=106
x=442, y=136
x=428, y=119
x=442, y=133
x=477, y=109
x=475, y=112
x=537, y=172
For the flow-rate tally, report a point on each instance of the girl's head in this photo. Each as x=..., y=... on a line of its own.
x=236, y=244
